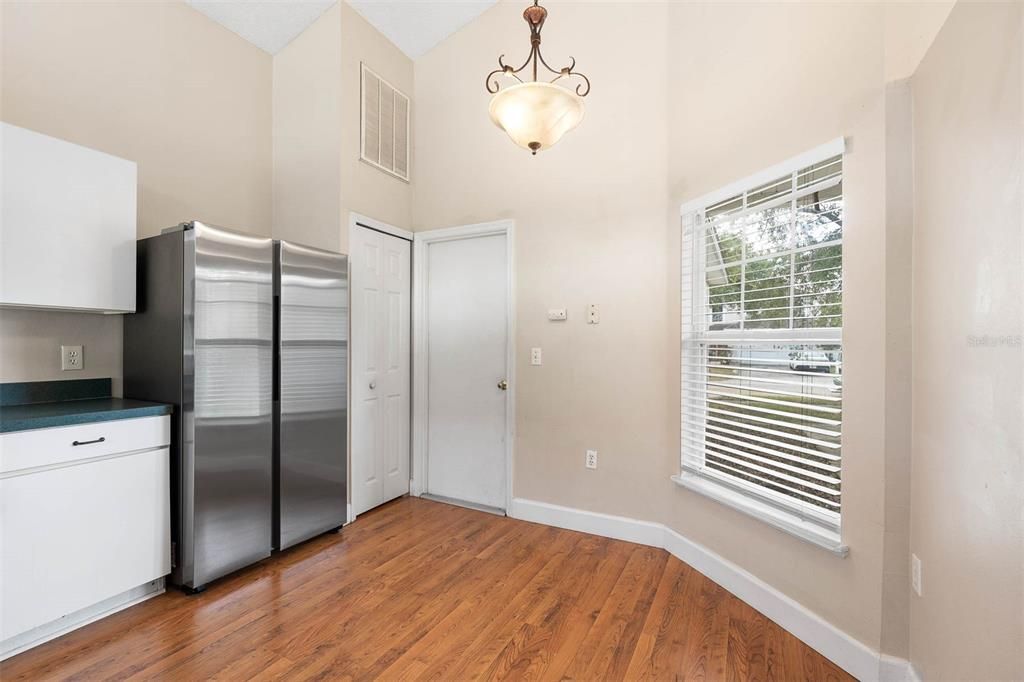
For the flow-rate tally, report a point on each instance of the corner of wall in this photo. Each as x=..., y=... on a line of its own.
x=967, y=485
x=307, y=132
x=365, y=189
x=899, y=219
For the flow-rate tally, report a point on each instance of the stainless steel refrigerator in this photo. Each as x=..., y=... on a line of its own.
x=202, y=339
x=310, y=392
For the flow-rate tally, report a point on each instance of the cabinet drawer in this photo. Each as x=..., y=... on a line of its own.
x=24, y=450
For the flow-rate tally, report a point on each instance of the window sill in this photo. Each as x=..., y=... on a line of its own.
x=778, y=518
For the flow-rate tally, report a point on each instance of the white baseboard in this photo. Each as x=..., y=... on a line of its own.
x=605, y=525
x=895, y=669
x=848, y=653
x=44, y=633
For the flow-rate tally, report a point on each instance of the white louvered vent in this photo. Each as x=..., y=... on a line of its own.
x=385, y=125
x=762, y=314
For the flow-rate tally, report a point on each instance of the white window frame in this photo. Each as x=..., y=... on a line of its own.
x=821, y=530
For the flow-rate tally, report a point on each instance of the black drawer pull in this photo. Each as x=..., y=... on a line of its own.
x=89, y=442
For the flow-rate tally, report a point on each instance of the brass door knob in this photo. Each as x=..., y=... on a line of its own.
x=503, y=385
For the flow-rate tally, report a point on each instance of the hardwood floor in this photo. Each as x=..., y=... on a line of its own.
x=423, y=590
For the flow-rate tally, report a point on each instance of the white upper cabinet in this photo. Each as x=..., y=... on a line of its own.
x=67, y=225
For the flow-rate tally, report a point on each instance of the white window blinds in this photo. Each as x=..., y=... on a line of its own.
x=762, y=353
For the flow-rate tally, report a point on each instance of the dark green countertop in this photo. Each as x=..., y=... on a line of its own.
x=69, y=412
x=71, y=402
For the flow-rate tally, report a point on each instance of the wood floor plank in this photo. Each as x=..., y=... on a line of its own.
x=617, y=627
x=560, y=621
x=648, y=660
x=420, y=590
x=482, y=652
x=473, y=590
x=524, y=655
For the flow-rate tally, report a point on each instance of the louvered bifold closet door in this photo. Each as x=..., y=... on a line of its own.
x=385, y=125
x=762, y=341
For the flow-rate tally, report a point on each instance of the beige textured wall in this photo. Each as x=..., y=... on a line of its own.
x=679, y=107
x=899, y=218
x=365, y=189
x=910, y=28
x=967, y=524
x=30, y=342
x=155, y=82
x=732, y=114
x=590, y=228
x=318, y=177
x=307, y=132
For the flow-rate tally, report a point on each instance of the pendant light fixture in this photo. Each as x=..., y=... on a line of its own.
x=536, y=114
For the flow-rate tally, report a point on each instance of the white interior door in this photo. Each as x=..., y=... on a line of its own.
x=379, y=265
x=467, y=349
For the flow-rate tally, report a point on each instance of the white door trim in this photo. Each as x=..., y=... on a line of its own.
x=420, y=348
x=366, y=221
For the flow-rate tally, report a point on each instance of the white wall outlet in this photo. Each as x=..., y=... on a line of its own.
x=593, y=314
x=71, y=357
x=915, y=574
x=558, y=314
x=591, y=460
x=535, y=357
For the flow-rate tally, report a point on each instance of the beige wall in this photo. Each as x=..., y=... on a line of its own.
x=154, y=82
x=967, y=524
x=30, y=342
x=318, y=177
x=590, y=228
x=899, y=218
x=910, y=28
x=365, y=189
x=678, y=108
x=733, y=114
x=307, y=132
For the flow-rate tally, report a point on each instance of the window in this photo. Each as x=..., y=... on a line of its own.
x=762, y=351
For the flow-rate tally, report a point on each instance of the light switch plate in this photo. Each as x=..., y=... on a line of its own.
x=593, y=314
x=535, y=356
x=557, y=314
x=71, y=358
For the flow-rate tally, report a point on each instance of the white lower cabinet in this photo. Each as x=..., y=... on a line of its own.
x=79, y=526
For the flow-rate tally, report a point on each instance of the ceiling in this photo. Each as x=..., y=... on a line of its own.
x=414, y=26
x=267, y=24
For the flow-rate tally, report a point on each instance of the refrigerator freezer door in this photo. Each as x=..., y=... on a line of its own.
x=227, y=405
x=313, y=397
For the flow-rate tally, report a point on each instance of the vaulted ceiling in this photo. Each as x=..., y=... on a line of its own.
x=267, y=24
x=414, y=26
